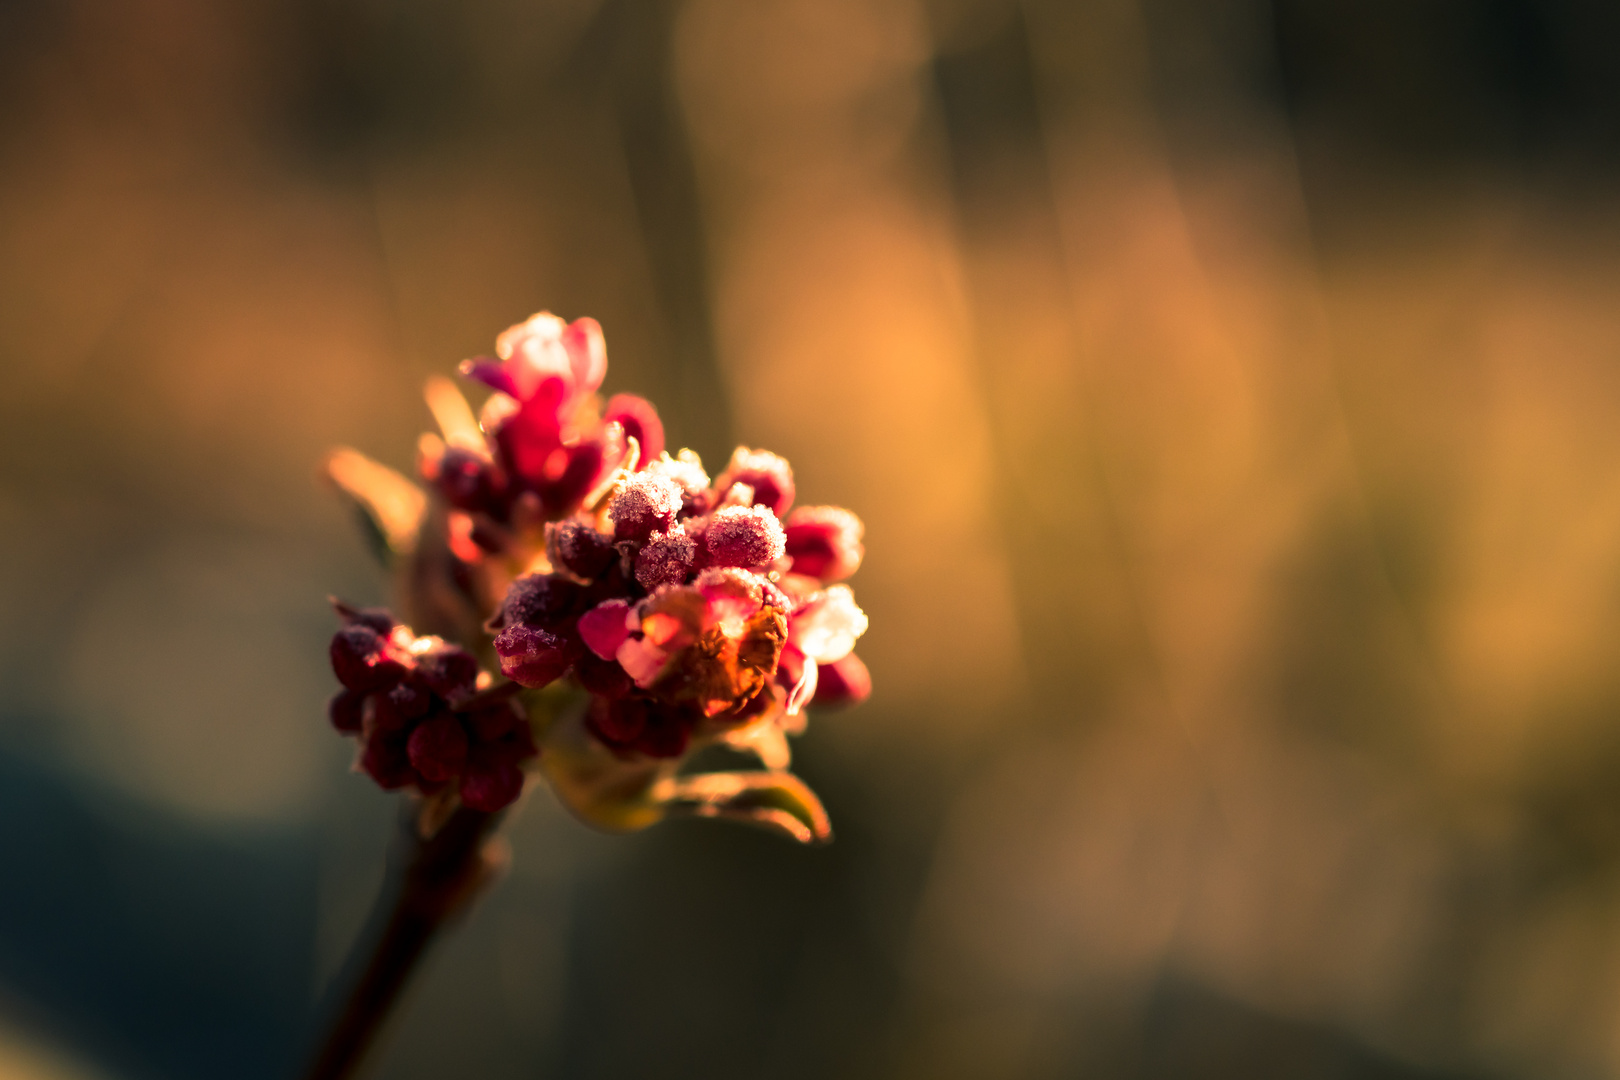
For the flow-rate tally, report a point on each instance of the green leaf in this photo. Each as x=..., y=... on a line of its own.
x=773, y=800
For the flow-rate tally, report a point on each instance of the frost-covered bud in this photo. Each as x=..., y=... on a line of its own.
x=576, y=547
x=411, y=702
x=534, y=657
x=646, y=504
x=640, y=421
x=685, y=468
x=770, y=477
x=438, y=749
x=826, y=627
x=825, y=542
x=842, y=682
x=687, y=471
x=449, y=672
x=666, y=560
x=362, y=659
x=745, y=536
x=539, y=600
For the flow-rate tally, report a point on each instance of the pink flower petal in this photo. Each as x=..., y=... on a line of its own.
x=492, y=373
x=825, y=542
x=846, y=682
x=534, y=351
x=642, y=660
x=825, y=629
x=640, y=420
x=604, y=629
x=587, y=354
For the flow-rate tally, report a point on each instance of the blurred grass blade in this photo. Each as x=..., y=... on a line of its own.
x=453, y=415
x=389, y=505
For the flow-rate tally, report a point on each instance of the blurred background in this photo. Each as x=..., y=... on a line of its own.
x=1230, y=391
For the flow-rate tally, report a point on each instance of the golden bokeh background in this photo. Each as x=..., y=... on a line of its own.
x=1230, y=391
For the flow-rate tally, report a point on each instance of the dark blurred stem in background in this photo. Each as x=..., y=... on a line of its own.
x=631, y=41
x=431, y=882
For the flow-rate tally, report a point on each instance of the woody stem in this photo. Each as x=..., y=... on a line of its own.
x=431, y=881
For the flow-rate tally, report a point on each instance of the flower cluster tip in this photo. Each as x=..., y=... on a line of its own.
x=682, y=610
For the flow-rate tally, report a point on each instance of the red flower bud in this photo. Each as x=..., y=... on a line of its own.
x=842, y=682
x=770, y=476
x=744, y=536
x=449, y=672
x=578, y=548
x=360, y=658
x=386, y=761
x=410, y=702
x=438, y=749
x=583, y=468
x=687, y=472
x=640, y=421
x=346, y=710
x=604, y=627
x=491, y=787
x=647, y=504
x=495, y=722
x=462, y=477
x=534, y=657
x=825, y=542
x=539, y=600
x=638, y=724
x=667, y=559
x=602, y=678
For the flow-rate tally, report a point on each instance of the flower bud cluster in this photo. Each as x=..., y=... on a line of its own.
x=684, y=609
x=421, y=719
x=548, y=442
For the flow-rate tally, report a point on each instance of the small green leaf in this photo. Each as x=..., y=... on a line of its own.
x=772, y=800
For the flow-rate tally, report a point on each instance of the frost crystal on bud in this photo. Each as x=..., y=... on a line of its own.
x=578, y=548
x=747, y=536
x=541, y=600
x=646, y=504
x=826, y=626
x=770, y=477
x=685, y=469
x=666, y=560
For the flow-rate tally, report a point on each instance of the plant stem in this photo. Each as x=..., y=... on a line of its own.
x=433, y=881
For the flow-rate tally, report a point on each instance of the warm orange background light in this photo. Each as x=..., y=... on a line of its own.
x=1242, y=492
